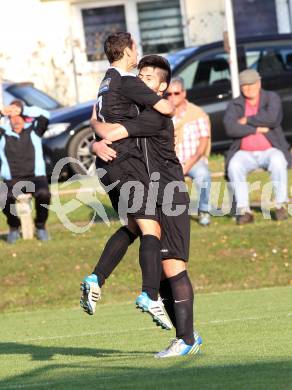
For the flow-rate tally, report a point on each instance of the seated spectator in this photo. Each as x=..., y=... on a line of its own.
x=192, y=133
x=253, y=120
x=21, y=158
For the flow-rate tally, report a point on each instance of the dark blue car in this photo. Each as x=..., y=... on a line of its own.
x=206, y=73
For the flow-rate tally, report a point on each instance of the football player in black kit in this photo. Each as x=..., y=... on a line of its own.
x=118, y=95
x=156, y=135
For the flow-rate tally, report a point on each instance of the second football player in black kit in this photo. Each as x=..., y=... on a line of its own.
x=114, y=105
x=158, y=148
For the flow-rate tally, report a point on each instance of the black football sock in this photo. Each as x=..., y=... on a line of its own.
x=150, y=263
x=165, y=293
x=183, y=296
x=113, y=252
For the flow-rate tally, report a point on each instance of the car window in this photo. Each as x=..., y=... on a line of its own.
x=188, y=74
x=252, y=59
x=207, y=71
x=33, y=97
x=270, y=61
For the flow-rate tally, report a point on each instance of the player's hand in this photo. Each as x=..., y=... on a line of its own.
x=103, y=151
x=11, y=110
x=5, y=110
x=242, y=121
x=262, y=130
x=186, y=167
x=185, y=170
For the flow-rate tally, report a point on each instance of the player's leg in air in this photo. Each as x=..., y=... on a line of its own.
x=148, y=300
x=113, y=252
x=150, y=263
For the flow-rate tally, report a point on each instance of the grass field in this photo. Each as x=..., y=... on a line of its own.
x=247, y=345
x=242, y=277
x=222, y=257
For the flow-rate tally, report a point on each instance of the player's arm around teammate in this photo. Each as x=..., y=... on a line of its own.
x=176, y=289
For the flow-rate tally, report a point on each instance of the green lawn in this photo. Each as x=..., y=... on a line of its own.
x=222, y=257
x=242, y=276
x=246, y=335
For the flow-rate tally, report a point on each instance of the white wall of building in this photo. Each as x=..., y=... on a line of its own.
x=35, y=45
x=37, y=37
x=205, y=20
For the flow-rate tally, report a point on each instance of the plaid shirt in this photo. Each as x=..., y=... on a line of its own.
x=192, y=133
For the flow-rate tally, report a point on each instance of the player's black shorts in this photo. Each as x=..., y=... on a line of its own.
x=131, y=190
x=175, y=234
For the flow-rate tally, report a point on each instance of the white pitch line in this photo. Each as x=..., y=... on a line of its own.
x=30, y=385
x=213, y=322
x=104, y=378
x=69, y=336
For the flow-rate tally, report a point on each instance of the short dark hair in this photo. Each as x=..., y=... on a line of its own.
x=17, y=103
x=115, y=45
x=157, y=62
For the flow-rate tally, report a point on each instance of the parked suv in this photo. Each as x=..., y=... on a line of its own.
x=206, y=74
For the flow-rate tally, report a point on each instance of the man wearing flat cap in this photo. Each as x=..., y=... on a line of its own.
x=253, y=121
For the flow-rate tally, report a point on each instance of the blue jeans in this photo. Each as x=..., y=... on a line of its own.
x=243, y=162
x=201, y=177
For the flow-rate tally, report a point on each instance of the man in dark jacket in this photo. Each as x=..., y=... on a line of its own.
x=253, y=120
x=23, y=165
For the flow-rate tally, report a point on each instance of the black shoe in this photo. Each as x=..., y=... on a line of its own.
x=244, y=219
x=281, y=214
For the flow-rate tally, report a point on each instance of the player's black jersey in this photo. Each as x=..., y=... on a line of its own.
x=156, y=134
x=119, y=94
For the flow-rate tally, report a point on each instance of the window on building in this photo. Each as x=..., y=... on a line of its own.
x=98, y=23
x=160, y=25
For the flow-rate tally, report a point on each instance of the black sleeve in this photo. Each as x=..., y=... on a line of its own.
x=40, y=125
x=134, y=89
x=271, y=116
x=147, y=124
x=232, y=127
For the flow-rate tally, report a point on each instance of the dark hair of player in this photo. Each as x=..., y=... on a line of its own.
x=157, y=62
x=17, y=103
x=115, y=45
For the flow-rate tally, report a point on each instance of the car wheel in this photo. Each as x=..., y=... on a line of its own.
x=79, y=149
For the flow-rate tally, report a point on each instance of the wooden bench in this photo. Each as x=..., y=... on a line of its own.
x=24, y=212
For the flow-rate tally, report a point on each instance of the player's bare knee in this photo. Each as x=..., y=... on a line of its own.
x=172, y=267
x=148, y=226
